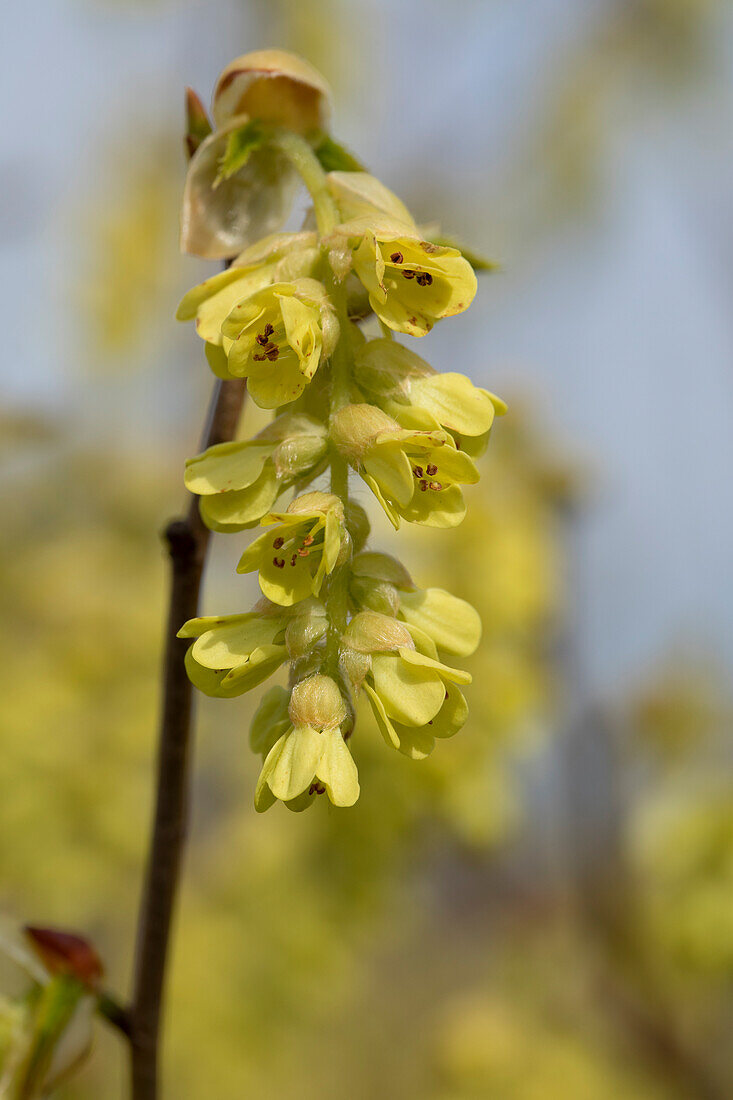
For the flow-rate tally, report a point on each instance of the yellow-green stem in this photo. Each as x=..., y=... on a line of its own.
x=306, y=163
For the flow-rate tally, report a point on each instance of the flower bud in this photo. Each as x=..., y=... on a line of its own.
x=354, y=666
x=65, y=953
x=298, y=454
x=317, y=704
x=375, y=595
x=371, y=632
x=315, y=502
x=354, y=428
x=273, y=86
x=357, y=524
x=306, y=628
x=198, y=126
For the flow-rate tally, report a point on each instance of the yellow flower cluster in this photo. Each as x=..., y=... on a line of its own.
x=294, y=314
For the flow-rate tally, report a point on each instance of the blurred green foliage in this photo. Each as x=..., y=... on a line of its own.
x=408, y=945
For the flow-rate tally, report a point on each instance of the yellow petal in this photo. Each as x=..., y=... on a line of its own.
x=225, y=467
x=282, y=383
x=358, y=195
x=291, y=764
x=455, y=402
x=411, y=693
x=337, y=770
x=390, y=467
x=238, y=511
x=270, y=720
x=232, y=646
x=287, y=584
x=446, y=508
x=452, y=623
x=414, y=658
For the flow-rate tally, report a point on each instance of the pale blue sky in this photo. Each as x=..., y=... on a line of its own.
x=620, y=323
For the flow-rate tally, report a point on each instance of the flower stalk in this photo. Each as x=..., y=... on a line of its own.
x=187, y=541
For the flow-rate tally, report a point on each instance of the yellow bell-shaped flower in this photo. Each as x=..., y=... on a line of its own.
x=415, y=475
x=239, y=482
x=278, y=337
x=281, y=257
x=411, y=283
x=412, y=694
x=234, y=653
x=409, y=389
x=294, y=558
x=311, y=757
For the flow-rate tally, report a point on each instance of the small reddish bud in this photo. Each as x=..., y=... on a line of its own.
x=198, y=126
x=65, y=953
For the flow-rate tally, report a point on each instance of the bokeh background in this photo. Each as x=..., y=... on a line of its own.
x=544, y=909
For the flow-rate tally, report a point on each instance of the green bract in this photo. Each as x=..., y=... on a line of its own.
x=294, y=558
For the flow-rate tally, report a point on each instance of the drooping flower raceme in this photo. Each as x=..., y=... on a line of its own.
x=286, y=319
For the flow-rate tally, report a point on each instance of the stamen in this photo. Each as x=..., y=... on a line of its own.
x=269, y=350
x=308, y=540
x=423, y=486
x=279, y=562
x=278, y=543
x=265, y=335
x=436, y=486
x=418, y=471
x=409, y=274
x=303, y=553
x=431, y=470
x=397, y=258
x=424, y=278
x=293, y=559
x=316, y=788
